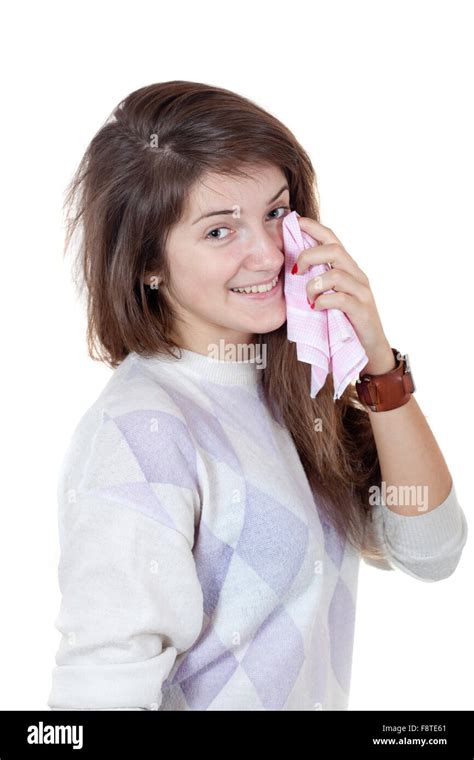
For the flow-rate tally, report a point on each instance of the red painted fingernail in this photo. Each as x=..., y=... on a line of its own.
x=312, y=305
x=295, y=269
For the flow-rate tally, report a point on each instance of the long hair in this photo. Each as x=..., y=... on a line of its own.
x=129, y=190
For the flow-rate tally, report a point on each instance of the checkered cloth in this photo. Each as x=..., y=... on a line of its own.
x=325, y=338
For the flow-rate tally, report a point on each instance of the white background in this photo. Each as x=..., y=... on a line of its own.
x=380, y=94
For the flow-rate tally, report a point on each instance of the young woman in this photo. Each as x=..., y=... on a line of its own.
x=210, y=532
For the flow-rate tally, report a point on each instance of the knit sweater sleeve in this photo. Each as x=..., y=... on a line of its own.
x=426, y=546
x=131, y=598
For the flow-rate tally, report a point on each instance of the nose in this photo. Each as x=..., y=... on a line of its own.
x=264, y=251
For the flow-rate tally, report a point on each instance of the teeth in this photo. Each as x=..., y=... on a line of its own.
x=257, y=288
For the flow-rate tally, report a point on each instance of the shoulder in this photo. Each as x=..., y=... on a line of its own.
x=132, y=446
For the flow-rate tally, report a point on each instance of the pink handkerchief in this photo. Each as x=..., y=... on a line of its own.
x=326, y=338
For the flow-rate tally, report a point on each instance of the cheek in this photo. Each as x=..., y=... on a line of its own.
x=214, y=278
x=203, y=278
x=189, y=279
x=204, y=288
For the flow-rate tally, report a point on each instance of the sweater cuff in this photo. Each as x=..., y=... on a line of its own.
x=426, y=534
x=429, y=545
x=98, y=687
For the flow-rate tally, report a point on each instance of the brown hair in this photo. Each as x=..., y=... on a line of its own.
x=130, y=189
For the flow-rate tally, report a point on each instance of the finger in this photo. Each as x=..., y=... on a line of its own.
x=317, y=230
x=331, y=253
x=343, y=301
x=339, y=281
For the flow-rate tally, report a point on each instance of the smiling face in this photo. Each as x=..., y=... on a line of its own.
x=230, y=236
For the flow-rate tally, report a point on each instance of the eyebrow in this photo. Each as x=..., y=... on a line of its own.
x=232, y=210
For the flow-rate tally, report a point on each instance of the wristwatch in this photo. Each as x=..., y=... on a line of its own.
x=380, y=393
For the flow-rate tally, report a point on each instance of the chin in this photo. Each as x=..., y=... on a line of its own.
x=265, y=324
x=274, y=325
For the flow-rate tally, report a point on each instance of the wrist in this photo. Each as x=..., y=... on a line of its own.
x=380, y=362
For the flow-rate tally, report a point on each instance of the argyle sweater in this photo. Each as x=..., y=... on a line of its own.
x=196, y=570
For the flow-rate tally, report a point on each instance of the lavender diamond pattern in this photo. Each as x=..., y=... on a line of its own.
x=273, y=540
x=213, y=558
x=205, y=670
x=207, y=430
x=341, y=619
x=274, y=658
x=162, y=446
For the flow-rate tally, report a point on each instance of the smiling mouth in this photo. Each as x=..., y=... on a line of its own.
x=261, y=292
x=257, y=288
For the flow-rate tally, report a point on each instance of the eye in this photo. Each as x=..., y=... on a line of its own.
x=210, y=236
x=284, y=208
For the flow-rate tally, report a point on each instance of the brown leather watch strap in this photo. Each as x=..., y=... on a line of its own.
x=380, y=393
